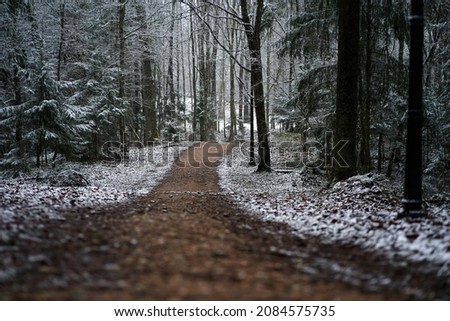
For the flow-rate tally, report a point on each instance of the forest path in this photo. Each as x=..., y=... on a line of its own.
x=184, y=241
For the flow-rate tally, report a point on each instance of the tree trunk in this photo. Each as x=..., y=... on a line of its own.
x=344, y=152
x=241, y=93
x=149, y=93
x=232, y=91
x=183, y=76
x=203, y=83
x=269, y=76
x=170, y=109
x=213, y=82
x=194, y=102
x=18, y=64
x=122, y=131
x=394, y=157
x=380, y=152
x=122, y=4
x=222, y=96
x=366, y=108
x=253, y=33
x=61, y=40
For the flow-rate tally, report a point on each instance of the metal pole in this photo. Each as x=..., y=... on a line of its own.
x=252, y=161
x=412, y=202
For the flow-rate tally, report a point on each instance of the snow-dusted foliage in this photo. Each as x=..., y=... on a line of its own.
x=308, y=105
x=42, y=123
x=437, y=92
x=39, y=119
x=71, y=79
x=305, y=102
x=47, y=193
x=360, y=211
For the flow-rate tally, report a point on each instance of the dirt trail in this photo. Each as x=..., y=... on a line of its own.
x=184, y=241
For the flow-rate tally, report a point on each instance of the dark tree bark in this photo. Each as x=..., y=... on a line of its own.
x=396, y=147
x=232, y=91
x=13, y=6
x=213, y=82
x=241, y=93
x=344, y=153
x=121, y=32
x=253, y=33
x=149, y=84
x=149, y=99
x=61, y=39
x=183, y=75
x=268, y=76
x=170, y=108
x=122, y=4
x=365, y=157
x=206, y=56
x=194, y=77
x=203, y=75
x=380, y=155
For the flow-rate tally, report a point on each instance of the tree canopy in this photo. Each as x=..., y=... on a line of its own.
x=78, y=77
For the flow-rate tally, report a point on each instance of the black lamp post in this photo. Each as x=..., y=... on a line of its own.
x=412, y=202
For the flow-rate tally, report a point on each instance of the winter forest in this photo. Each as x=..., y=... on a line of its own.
x=225, y=150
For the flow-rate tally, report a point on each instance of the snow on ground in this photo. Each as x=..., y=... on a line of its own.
x=45, y=194
x=360, y=211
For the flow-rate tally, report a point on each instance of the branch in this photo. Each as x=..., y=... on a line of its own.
x=194, y=9
x=144, y=24
x=233, y=13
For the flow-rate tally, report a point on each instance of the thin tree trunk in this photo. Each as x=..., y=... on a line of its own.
x=213, y=80
x=380, y=152
x=138, y=125
x=203, y=83
x=232, y=90
x=183, y=75
x=395, y=149
x=121, y=38
x=178, y=80
x=170, y=109
x=122, y=5
x=18, y=63
x=269, y=76
x=61, y=40
x=194, y=77
x=221, y=92
x=241, y=92
x=149, y=100
x=223, y=98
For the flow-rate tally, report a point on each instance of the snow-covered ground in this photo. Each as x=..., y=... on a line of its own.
x=360, y=211
x=45, y=194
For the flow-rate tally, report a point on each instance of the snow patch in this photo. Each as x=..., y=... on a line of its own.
x=361, y=211
x=107, y=184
